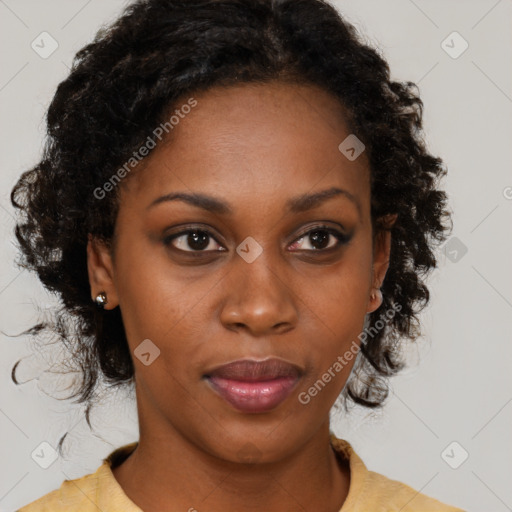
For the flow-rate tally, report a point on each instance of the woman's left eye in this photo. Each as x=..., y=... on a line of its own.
x=319, y=239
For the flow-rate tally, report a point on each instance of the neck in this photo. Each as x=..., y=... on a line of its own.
x=167, y=467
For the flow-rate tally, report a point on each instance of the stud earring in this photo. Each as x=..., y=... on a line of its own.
x=101, y=300
x=376, y=295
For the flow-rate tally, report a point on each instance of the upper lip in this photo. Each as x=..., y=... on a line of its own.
x=256, y=370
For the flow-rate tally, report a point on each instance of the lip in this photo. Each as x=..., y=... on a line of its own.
x=254, y=386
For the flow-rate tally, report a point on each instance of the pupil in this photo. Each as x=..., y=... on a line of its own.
x=317, y=237
x=198, y=240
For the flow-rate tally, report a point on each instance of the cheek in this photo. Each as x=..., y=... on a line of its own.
x=157, y=302
x=338, y=305
x=339, y=292
x=166, y=313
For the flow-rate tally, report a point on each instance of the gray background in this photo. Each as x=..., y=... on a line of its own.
x=458, y=385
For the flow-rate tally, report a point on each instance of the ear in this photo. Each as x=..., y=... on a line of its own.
x=381, y=252
x=101, y=271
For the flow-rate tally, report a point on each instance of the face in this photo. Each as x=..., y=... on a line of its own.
x=256, y=270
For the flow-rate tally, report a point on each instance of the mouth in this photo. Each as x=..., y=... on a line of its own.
x=254, y=386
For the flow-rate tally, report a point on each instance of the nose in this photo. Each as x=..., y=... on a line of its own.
x=259, y=299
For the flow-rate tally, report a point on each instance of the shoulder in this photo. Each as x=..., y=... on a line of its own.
x=77, y=494
x=373, y=491
x=399, y=496
x=87, y=493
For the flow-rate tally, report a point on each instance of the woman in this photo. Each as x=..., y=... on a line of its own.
x=235, y=200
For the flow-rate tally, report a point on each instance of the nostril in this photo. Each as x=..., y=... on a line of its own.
x=283, y=327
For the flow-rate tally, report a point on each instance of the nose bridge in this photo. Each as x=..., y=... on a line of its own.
x=258, y=297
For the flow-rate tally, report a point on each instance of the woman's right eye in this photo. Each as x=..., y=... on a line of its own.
x=193, y=241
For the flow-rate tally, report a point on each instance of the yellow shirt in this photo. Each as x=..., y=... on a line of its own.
x=368, y=491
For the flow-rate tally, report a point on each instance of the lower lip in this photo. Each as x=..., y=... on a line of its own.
x=253, y=396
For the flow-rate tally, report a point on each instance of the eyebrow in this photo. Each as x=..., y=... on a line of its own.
x=297, y=204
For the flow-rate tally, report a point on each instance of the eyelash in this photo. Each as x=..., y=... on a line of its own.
x=342, y=239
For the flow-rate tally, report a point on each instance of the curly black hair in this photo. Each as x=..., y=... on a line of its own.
x=124, y=84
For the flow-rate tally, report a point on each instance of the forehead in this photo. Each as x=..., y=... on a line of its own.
x=267, y=139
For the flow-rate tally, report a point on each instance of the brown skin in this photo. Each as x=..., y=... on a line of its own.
x=254, y=147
